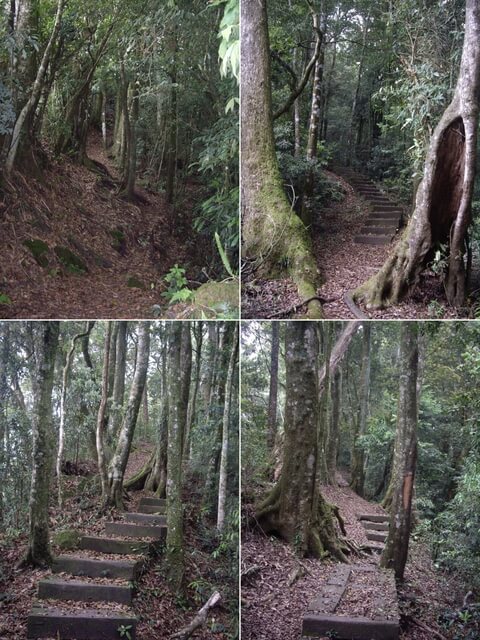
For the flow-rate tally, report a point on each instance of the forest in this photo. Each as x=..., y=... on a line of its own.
x=359, y=192
x=119, y=480
x=119, y=159
x=360, y=480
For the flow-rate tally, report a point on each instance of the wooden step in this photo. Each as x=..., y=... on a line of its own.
x=374, y=517
x=136, y=530
x=373, y=240
x=93, y=568
x=376, y=536
x=375, y=526
x=145, y=517
x=380, y=231
x=84, y=591
x=151, y=508
x=376, y=547
x=374, y=222
x=346, y=628
x=45, y=622
x=113, y=545
x=388, y=206
x=157, y=502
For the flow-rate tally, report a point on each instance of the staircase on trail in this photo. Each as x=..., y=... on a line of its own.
x=358, y=602
x=67, y=623
x=376, y=529
x=385, y=218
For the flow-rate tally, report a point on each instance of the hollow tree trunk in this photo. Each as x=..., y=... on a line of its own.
x=119, y=461
x=442, y=211
x=273, y=391
x=358, y=460
x=295, y=509
x=395, y=553
x=45, y=342
x=274, y=238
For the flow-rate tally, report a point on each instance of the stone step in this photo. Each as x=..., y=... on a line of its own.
x=381, y=231
x=374, y=517
x=145, y=517
x=373, y=240
x=136, y=530
x=157, y=502
x=84, y=591
x=375, y=526
x=346, y=628
x=45, y=622
x=377, y=536
x=112, y=545
x=151, y=508
x=93, y=568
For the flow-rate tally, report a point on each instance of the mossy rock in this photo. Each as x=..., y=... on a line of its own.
x=38, y=249
x=217, y=299
x=135, y=283
x=67, y=540
x=70, y=260
x=119, y=241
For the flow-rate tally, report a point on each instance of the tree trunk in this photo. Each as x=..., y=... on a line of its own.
x=45, y=342
x=119, y=381
x=102, y=411
x=222, y=483
x=350, y=147
x=273, y=392
x=334, y=427
x=26, y=112
x=295, y=509
x=172, y=121
x=443, y=202
x=358, y=463
x=275, y=239
x=192, y=403
x=325, y=339
x=395, y=554
x=120, y=458
x=179, y=337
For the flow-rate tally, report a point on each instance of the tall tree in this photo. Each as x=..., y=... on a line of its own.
x=273, y=391
x=395, y=553
x=44, y=340
x=275, y=239
x=443, y=201
x=295, y=509
x=360, y=425
x=102, y=411
x=119, y=460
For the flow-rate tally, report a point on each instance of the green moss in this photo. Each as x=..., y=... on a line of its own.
x=70, y=260
x=38, y=249
x=67, y=540
x=221, y=298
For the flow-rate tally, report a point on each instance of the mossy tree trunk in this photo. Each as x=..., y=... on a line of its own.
x=178, y=380
x=360, y=426
x=44, y=337
x=395, y=554
x=295, y=510
x=275, y=239
x=119, y=461
x=4, y=394
x=442, y=211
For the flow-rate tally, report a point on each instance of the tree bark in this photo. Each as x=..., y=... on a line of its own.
x=45, y=342
x=275, y=239
x=442, y=211
x=119, y=461
x=358, y=462
x=102, y=410
x=222, y=482
x=119, y=381
x=395, y=553
x=334, y=427
x=273, y=391
x=295, y=509
x=192, y=403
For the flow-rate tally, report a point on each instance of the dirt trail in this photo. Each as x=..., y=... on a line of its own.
x=346, y=264
x=127, y=248
x=273, y=609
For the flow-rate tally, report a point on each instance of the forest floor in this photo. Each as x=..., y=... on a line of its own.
x=161, y=611
x=126, y=248
x=344, y=265
x=272, y=609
